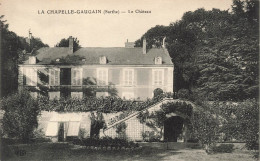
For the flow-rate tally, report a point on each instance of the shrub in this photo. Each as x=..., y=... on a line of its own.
x=183, y=93
x=20, y=117
x=151, y=136
x=242, y=122
x=192, y=140
x=121, y=130
x=223, y=148
x=157, y=92
x=97, y=123
x=106, y=142
x=205, y=128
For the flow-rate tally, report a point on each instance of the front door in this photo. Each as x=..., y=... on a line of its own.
x=173, y=128
x=61, y=132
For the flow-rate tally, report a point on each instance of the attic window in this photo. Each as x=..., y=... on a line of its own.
x=158, y=60
x=102, y=60
x=32, y=60
x=57, y=60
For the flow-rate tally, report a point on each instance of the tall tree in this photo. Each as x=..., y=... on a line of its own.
x=9, y=56
x=215, y=52
x=154, y=37
x=65, y=43
x=13, y=51
x=20, y=117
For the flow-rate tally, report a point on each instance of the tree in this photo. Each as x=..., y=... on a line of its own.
x=97, y=123
x=9, y=58
x=214, y=52
x=121, y=130
x=14, y=50
x=154, y=37
x=206, y=127
x=183, y=93
x=65, y=43
x=238, y=8
x=241, y=122
x=20, y=115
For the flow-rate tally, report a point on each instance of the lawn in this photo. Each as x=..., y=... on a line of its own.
x=68, y=152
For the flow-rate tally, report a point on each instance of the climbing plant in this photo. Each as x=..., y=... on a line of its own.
x=100, y=104
x=121, y=130
x=157, y=118
x=97, y=123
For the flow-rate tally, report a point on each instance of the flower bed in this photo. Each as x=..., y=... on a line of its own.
x=106, y=143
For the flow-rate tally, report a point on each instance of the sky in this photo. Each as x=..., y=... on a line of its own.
x=97, y=29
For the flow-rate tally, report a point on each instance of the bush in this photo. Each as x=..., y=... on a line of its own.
x=151, y=136
x=20, y=117
x=121, y=130
x=183, y=93
x=223, y=148
x=157, y=92
x=242, y=122
x=205, y=128
x=192, y=140
x=105, y=142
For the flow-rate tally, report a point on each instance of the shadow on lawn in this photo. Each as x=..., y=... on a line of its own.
x=143, y=153
x=65, y=151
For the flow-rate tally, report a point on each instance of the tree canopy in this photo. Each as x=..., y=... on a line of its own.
x=214, y=52
x=65, y=43
x=14, y=50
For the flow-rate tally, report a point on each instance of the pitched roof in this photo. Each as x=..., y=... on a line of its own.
x=114, y=55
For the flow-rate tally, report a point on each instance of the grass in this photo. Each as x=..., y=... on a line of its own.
x=68, y=152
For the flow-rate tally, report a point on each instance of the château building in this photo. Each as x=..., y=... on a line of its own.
x=128, y=72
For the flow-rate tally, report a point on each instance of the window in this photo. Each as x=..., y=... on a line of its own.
x=54, y=95
x=158, y=77
x=102, y=60
x=128, y=95
x=65, y=76
x=31, y=76
x=54, y=77
x=76, y=95
x=128, y=77
x=73, y=129
x=32, y=60
x=102, y=77
x=101, y=94
x=158, y=60
x=76, y=78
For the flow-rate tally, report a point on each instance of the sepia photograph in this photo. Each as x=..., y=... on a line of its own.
x=120, y=80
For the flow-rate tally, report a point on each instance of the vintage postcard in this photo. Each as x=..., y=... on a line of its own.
x=129, y=80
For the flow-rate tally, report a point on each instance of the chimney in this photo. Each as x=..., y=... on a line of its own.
x=71, y=44
x=144, y=45
x=129, y=44
x=163, y=44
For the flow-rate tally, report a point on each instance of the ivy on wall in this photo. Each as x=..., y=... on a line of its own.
x=156, y=119
x=102, y=104
x=159, y=116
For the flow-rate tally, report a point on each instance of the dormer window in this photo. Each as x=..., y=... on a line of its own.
x=158, y=60
x=102, y=60
x=32, y=60
x=57, y=60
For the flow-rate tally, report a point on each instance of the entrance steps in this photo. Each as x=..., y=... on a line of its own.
x=153, y=107
x=135, y=113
